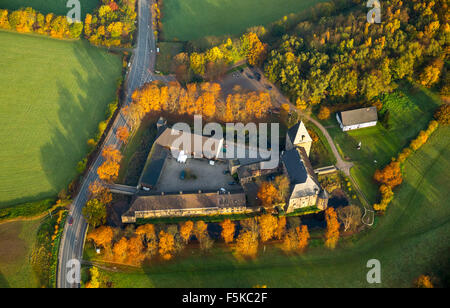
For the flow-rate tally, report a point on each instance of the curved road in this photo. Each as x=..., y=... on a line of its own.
x=143, y=63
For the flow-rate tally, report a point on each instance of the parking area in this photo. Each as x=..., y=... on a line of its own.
x=240, y=79
x=198, y=175
x=251, y=80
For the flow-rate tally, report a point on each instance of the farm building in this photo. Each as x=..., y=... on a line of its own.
x=163, y=205
x=358, y=118
x=191, y=144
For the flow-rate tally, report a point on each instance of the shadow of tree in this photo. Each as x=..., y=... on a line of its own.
x=3, y=282
x=82, y=107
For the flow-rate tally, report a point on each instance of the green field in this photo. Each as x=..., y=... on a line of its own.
x=53, y=93
x=193, y=19
x=16, y=243
x=410, y=111
x=410, y=240
x=49, y=6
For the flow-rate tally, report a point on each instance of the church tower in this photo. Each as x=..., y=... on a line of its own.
x=298, y=136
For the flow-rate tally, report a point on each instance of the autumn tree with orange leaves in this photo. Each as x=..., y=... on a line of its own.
x=281, y=227
x=186, y=230
x=136, y=251
x=391, y=175
x=148, y=236
x=228, y=231
x=268, y=194
x=303, y=237
x=267, y=227
x=332, y=233
x=166, y=245
x=253, y=48
x=109, y=170
x=120, y=250
x=111, y=153
x=103, y=237
x=200, y=229
x=99, y=191
x=247, y=244
x=122, y=134
x=296, y=239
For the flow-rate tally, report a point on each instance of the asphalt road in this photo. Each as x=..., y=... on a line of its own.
x=141, y=71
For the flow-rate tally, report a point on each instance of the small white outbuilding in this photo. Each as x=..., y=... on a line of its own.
x=358, y=118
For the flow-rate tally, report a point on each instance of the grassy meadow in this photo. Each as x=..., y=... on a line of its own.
x=193, y=19
x=49, y=6
x=53, y=93
x=17, y=240
x=410, y=108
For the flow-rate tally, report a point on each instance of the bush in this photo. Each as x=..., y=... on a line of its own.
x=81, y=166
x=442, y=114
x=391, y=175
x=324, y=113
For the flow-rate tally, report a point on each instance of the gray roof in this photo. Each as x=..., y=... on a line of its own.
x=298, y=133
x=154, y=166
x=170, y=138
x=188, y=201
x=292, y=132
x=358, y=116
x=295, y=167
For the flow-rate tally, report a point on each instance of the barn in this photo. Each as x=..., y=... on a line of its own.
x=358, y=118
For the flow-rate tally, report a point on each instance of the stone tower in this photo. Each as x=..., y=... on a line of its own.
x=298, y=136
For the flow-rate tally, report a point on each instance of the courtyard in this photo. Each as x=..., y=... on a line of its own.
x=198, y=175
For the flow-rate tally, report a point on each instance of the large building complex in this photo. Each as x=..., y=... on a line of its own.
x=210, y=189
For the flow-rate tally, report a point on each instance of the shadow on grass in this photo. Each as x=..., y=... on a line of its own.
x=3, y=282
x=78, y=114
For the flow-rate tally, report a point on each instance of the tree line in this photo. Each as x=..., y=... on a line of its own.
x=111, y=24
x=28, y=20
x=148, y=242
x=204, y=99
x=391, y=175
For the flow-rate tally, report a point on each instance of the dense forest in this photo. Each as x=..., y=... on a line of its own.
x=344, y=57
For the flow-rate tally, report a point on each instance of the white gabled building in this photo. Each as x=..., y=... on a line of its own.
x=358, y=118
